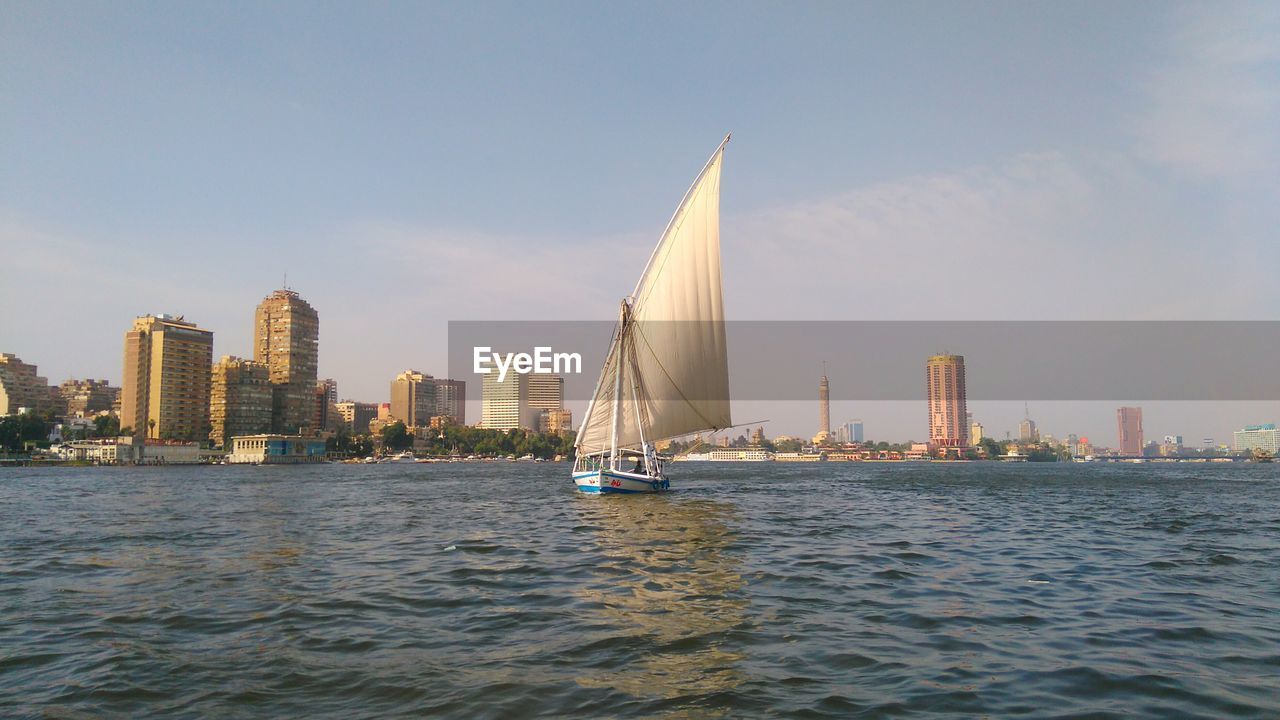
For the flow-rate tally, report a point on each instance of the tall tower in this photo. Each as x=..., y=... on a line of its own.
x=1129, y=420
x=165, y=393
x=824, y=403
x=286, y=339
x=948, y=412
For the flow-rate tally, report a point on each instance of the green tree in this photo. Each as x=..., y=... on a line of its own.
x=990, y=447
x=396, y=437
x=106, y=426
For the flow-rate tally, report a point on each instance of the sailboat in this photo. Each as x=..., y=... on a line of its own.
x=667, y=370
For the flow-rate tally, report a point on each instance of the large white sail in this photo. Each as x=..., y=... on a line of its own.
x=670, y=347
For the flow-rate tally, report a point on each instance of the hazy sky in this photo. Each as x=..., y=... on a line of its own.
x=409, y=164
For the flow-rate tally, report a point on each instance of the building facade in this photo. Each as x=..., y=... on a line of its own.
x=1257, y=437
x=165, y=392
x=1129, y=422
x=518, y=401
x=1027, y=432
x=239, y=399
x=287, y=340
x=413, y=398
x=357, y=415
x=325, y=412
x=451, y=400
x=22, y=387
x=948, y=410
x=86, y=398
x=557, y=422
x=275, y=450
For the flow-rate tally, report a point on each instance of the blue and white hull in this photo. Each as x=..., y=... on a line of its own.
x=606, y=482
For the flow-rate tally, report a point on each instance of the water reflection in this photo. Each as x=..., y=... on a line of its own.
x=668, y=594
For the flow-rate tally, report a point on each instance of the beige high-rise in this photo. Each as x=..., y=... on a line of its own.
x=21, y=387
x=165, y=393
x=413, y=398
x=948, y=411
x=239, y=400
x=286, y=339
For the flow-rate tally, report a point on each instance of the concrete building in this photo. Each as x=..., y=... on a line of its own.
x=558, y=422
x=518, y=401
x=86, y=398
x=944, y=378
x=546, y=392
x=287, y=339
x=324, y=411
x=276, y=450
x=137, y=451
x=21, y=387
x=239, y=399
x=167, y=365
x=451, y=400
x=357, y=415
x=976, y=433
x=1257, y=437
x=413, y=398
x=1129, y=422
x=1027, y=432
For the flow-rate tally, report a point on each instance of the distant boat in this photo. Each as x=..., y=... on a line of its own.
x=667, y=371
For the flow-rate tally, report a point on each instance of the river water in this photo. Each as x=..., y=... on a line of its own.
x=496, y=590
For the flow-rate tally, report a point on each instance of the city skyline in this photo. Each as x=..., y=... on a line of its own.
x=1146, y=164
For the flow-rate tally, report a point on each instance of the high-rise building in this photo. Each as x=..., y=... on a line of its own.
x=944, y=379
x=239, y=399
x=413, y=398
x=21, y=387
x=167, y=365
x=324, y=412
x=286, y=339
x=518, y=401
x=357, y=415
x=1257, y=437
x=86, y=398
x=1129, y=420
x=451, y=400
x=1027, y=431
x=546, y=392
x=976, y=433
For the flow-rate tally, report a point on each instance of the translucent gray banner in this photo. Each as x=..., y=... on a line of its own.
x=881, y=360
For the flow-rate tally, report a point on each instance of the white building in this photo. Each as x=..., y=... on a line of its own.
x=275, y=450
x=747, y=454
x=1257, y=437
x=518, y=401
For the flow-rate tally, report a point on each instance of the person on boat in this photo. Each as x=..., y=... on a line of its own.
x=639, y=468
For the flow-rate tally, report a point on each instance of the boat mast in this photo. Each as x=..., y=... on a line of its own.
x=617, y=385
x=679, y=208
x=635, y=400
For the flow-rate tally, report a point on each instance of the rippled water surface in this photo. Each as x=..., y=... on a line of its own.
x=495, y=590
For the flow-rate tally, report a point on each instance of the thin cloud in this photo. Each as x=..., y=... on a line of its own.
x=1214, y=108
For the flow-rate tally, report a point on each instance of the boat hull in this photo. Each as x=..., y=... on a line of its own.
x=612, y=482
